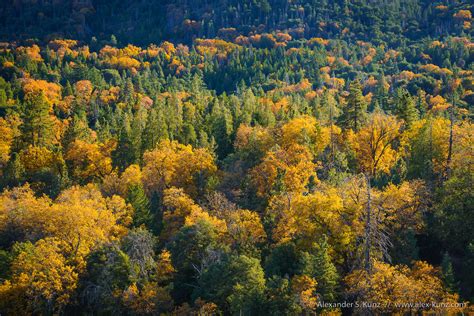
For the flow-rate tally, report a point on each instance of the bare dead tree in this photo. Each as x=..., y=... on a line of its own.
x=376, y=235
x=368, y=229
x=450, y=145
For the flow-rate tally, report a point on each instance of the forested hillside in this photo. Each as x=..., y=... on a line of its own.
x=233, y=157
x=184, y=20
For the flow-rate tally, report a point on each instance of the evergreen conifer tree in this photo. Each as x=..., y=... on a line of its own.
x=37, y=127
x=141, y=205
x=355, y=112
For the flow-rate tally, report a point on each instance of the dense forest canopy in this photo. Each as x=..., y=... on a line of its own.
x=257, y=157
x=184, y=20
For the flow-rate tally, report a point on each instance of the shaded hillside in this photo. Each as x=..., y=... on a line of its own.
x=183, y=20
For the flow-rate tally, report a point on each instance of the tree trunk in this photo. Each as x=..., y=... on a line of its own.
x=450, y=147
x=368, y=230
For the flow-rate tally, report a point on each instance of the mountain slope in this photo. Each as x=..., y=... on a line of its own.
x=183, y=20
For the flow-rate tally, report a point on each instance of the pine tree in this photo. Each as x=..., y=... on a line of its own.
x=14, y=172
x=222, y=127
x=189, y=134
x=320, y=267
x=155, y=130
x=405, y=107
x=123, y=155
x=355, y=112
x=421, y=103
x=448, y=273
x=68, y=89
x=136, y=136
x=141, y=205
x=77, y=129
x=381, y=92
x=325, y=272
x=3, y=98
x=156, y=212
x=37, y=127
x=129, y=91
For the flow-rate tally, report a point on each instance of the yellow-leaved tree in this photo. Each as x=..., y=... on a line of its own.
x=90, y=161
x=387, y=285
x=173, y=164
x=305, y=218
x=42, y=280
x=374, y=144
x=284, y=170
x=115, y=184
x=245, y=230
x=181, y=210
x=79, y=219
x=401, y=207
x=305, y=131
x=303, y=288
x=8, y=129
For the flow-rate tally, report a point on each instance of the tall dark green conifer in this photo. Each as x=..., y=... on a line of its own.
x=381, y=92
x=155, y=130
x=77, y=129
x=129, y=92
x=3, y=98
x=123, y=155
x=325, y=272
x=320, y=267
x=448, y=273
x=68, y=89
x=355, y=112
x=141, y=206
x=405, y=107
x=14, y=172
x=222, y=128
x=37, y=127
x=136, y=128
